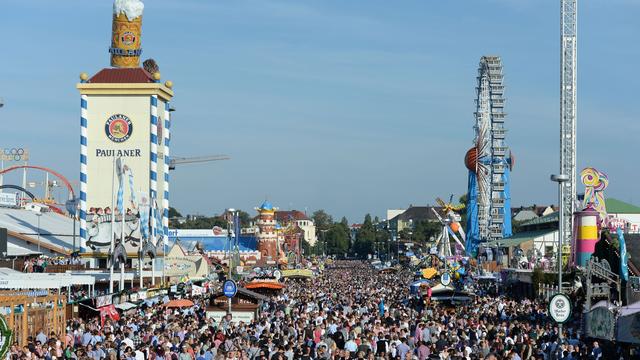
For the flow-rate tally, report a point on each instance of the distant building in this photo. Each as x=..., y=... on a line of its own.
x=410, y=217
x=178, y=220
x=216, y=245
x=625, y=215
x=391, y=213
x=540, y=234
x=524, y=215
x=353, y=231
x=529, y=213
x=301, y=220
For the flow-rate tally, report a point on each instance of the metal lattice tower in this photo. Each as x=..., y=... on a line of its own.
x=492, y=150
x=568, y=107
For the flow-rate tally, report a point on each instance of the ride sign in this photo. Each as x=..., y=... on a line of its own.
x=560, y=308
x=230, y=288
x=445, y=279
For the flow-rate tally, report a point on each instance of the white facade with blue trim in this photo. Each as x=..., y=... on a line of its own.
x=124, y=115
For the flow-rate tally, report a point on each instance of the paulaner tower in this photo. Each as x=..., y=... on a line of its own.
x=124, y=146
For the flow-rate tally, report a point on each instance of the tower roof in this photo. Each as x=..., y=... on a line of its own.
x=266, y=205
x=125, y=75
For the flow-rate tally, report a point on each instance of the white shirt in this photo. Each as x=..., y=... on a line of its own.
x=351, y=346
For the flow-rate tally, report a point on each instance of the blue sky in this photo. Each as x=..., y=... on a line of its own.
x=352, y=107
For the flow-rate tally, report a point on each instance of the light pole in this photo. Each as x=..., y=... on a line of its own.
x=230, y=217
x=38, y=214
x=560, y=179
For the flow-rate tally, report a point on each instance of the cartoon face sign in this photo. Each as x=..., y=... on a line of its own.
x=118, y=128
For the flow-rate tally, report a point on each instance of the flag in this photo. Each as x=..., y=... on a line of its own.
x=624, y=270
x=143, y=209
x=131, y=187
x=158, y=229
x=120, y=196
x=236, y=227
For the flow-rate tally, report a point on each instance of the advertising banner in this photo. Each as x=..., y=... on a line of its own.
x=103, y=301
x=297, y=272
x=179, y=265
x=8, y=199
x=197, y=290
x=600, y=323
x=237, y=316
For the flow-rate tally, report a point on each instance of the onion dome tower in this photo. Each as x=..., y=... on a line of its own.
x=267, y=236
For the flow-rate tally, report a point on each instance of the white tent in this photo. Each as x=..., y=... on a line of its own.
x=15, y=280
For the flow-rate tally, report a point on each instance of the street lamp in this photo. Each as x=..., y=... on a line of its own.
x=560, y=179
x=38, y=214
x=230, y=217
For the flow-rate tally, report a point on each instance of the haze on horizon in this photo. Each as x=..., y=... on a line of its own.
x=346, y=107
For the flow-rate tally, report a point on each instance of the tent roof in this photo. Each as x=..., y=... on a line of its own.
x=616, y=206
x=550, y=218
x=11, y=279
x=518, y=238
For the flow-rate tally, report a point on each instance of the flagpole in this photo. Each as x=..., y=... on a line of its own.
x=140, y=255
x=113, y=227
x=124, y=212
x=153, y=261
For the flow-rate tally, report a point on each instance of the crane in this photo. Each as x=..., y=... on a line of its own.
x=195, y=159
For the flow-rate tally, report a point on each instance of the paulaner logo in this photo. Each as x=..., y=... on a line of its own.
x=118, y=128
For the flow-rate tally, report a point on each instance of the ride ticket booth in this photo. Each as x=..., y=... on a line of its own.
x=244, y=305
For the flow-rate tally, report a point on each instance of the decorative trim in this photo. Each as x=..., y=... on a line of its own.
x=83, y=172
x=165, y=198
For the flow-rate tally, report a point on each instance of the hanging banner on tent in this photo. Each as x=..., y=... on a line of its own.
x=197, y=290
x=600, y=323
x=104, y=300
x=297, y=273
x=6, y=336
x=108, y=311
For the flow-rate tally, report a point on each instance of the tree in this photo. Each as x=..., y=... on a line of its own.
x=321, y=219
x=463, y=213
x=365, y=238
x=306, y=247
x=337, y=240
x=202, y=222
x=174, y=213
x=425, y=230
x=245, y=218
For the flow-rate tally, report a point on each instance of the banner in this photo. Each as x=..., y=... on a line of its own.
x=104, y=300
x=8, y=199
x=6, y=336
x=624, y=270
x=197, y=290
x=600, y=323
x=109, y=311
x=628, y=328
x=297, y=272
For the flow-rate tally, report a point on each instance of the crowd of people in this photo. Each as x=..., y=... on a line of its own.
x=350, y=311
x=39, y=264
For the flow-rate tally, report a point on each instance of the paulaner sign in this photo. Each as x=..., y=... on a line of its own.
x=118, y=152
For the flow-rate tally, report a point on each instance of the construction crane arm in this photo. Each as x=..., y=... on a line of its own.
x=195, y=159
